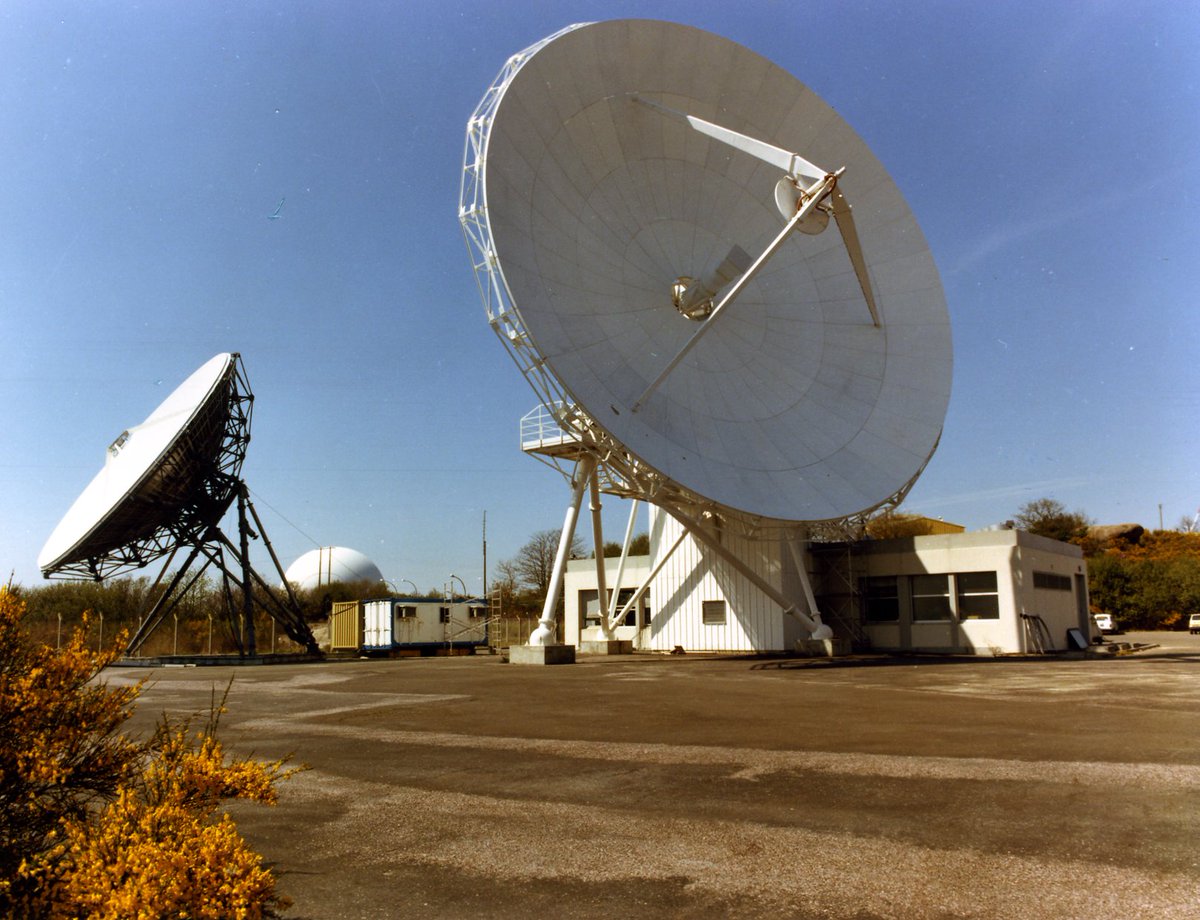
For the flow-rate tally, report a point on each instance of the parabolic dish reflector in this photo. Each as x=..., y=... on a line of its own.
x=602, y=190
x=177, y=469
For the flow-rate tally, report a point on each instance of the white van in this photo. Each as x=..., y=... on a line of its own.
x=1104, y=622
x=1194, y=623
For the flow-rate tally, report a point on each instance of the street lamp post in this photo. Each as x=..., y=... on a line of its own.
x=392, y=585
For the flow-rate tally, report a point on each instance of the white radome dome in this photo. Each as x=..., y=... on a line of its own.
x=329, y=564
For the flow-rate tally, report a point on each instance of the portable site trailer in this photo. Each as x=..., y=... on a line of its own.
x=423, y=624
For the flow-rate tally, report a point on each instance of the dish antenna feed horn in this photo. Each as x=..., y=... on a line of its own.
x=718, y=294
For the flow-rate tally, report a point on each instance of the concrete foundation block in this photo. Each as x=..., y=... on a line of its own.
x=541, y=654
x=835, y=647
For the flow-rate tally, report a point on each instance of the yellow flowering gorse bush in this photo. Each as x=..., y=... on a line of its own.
x=94, y=824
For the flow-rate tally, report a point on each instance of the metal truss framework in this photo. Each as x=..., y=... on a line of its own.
x=238, y=578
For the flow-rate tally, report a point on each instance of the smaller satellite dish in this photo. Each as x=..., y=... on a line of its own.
x=151, y=472
x=165, y=485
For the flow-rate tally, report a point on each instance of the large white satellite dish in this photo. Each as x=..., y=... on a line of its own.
x=707, y=276
x=166, y=484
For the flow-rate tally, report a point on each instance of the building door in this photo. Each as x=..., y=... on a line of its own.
x=1081, y=605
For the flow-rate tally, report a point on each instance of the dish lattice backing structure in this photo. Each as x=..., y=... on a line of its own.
x=598, y=182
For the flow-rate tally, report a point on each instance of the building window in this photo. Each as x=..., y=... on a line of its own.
x=443, y=614
x=477, y=612
x=978, y=598
x=930, y=598
x=713, y=613
x=881, y=599
x=406, y=611
x=623, y=597
x=1051, y=582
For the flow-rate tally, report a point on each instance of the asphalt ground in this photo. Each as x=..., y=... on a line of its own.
x=701, y=786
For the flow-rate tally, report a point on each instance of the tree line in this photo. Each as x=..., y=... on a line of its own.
x=1146, y=579
x=520, y=584
x=200, y=621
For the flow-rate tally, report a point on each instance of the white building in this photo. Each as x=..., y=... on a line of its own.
x=581, y=604
x=985, y=593
x=422, y=623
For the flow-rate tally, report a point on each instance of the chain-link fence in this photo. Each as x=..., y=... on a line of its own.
x=175, y=635
x=212, y=634
x=507, y=631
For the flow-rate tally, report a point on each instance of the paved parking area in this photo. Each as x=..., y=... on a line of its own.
x=689, y=786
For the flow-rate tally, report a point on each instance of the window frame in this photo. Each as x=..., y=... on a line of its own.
x=962, y=592
x=871, y=600
x=1052, y=581
x=947, y=613
x=709, y=611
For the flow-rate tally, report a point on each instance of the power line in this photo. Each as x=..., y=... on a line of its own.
x=294, y=526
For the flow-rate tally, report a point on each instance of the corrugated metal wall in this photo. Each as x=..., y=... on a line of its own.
x=345, y=625
x=753, y=622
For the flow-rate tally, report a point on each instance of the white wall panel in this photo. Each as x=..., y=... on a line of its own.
x=692, y=575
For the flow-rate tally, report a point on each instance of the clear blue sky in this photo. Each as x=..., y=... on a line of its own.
x=1050, y=151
